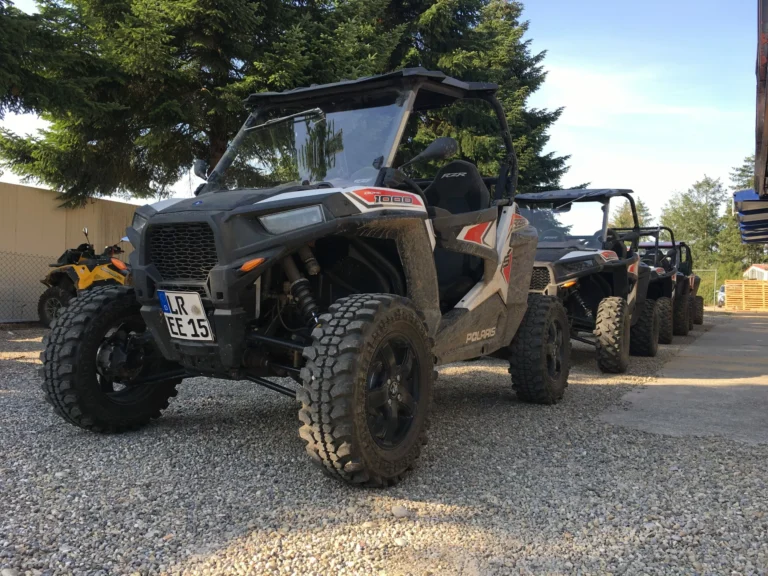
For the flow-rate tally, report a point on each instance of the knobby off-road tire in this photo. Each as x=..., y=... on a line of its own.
x=613, y=335
x=52, y=303
x=680, y=312
x=698, y=310
x=644, y=339
x=691, y=311
x=664, y=306
x=349, y=397
x=540, y=352
x=71, y=382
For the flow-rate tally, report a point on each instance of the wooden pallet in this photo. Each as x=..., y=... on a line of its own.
x=747, y=295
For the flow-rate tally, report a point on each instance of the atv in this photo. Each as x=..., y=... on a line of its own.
x=76, y=270
x=668, y=284
x=317, y=250
x=595, y=271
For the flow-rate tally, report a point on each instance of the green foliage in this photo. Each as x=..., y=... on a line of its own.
x=40, y=68
x=702, y=216
x=622, y=215
x=142, y=87
x=743, y=177
x=694, y=217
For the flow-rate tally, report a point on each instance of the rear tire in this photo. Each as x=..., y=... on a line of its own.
x=664, y=306
x=367, y=389
x=540, y=353
x=698, y=310
x=691, y=312
x=644, y=340
x=613, y=333
x=680, y=309
x=72, y=383
x=52, y=303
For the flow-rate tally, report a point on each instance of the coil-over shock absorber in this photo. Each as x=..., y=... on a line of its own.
x=580, y=300
x=301, y=292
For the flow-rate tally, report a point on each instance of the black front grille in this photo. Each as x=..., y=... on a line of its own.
x=182, y=251
x=539, y=278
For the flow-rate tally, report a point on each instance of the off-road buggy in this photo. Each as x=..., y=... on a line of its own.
x=669, y=285
x=308, y=254
x=595, y=271
x=76, y=270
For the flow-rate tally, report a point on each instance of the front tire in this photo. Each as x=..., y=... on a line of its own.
x=666, y=332
x=52, y=303
x=98, y=327
x=367, y=389
x=540, y=352
x=680, y=311
x=613, y=332
x=644, y=340
x=698, y=310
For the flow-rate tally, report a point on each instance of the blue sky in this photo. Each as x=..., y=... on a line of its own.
x=656, y=94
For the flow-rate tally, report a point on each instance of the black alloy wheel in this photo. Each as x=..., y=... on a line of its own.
x=392, y=391
x=555, y=351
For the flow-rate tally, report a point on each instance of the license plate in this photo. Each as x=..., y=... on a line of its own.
x=185, y=315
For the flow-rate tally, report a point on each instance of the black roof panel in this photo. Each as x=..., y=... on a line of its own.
x=572, y=195
x=428, y=79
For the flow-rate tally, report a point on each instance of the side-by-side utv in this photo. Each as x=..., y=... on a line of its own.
x=595, y=271
x=669, y=285
x=318, y=250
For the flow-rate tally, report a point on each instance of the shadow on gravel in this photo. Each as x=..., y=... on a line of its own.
x=221, y=483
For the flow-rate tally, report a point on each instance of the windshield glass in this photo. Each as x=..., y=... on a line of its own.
x=336, y=143
x=577, y=223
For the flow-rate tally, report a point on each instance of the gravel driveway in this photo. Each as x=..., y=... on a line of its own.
x=221, y=485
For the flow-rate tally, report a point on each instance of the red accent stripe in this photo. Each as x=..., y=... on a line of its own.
x=507, y=270
x=475, y=234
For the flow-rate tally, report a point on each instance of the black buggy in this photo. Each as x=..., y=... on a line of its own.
x=312, y=253
x=595, y=271
x=673, y=283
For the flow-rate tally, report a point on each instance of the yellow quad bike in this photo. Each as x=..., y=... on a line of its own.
x=76, y=270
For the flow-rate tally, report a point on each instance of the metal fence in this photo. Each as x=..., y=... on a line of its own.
x=20, y=286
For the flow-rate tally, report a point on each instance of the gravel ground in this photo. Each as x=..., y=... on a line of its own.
x=221, y=485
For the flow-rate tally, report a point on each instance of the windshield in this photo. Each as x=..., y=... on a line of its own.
x=338, y=144
x=577, y=223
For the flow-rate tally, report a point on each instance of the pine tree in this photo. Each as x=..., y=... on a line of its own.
x=161, y=82
x=694, y=217
x=622, y=215
x=41, y=69
x=743, y=177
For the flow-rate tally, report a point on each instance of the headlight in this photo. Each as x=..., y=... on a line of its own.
x=282, y=222
x=139, y=222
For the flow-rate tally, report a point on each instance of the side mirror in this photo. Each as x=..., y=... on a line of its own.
x=85, y=233
x=440, y=149
x=200, y=168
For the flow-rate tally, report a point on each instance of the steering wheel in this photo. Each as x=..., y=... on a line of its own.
x=559, y=235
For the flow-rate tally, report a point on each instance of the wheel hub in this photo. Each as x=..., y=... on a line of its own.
x=392, y=391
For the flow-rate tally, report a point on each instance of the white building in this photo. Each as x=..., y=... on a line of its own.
x=756, y=272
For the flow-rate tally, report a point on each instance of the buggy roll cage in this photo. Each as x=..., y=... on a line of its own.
x=422, y=90
x=655, y=233
x=563, y=197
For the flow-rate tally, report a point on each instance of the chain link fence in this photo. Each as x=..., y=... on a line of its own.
x=20, y=286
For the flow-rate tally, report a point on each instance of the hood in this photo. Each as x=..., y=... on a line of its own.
x=233, y=199
x=566, y=253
